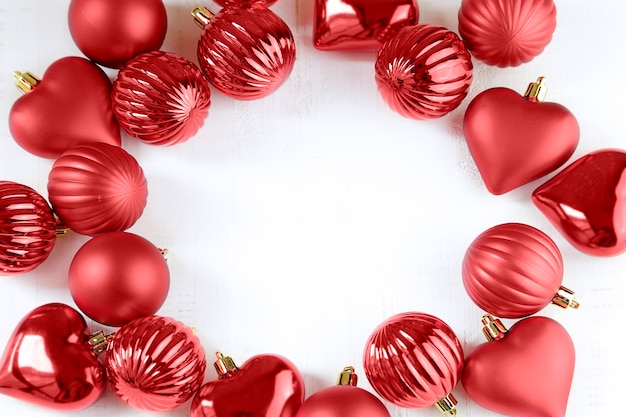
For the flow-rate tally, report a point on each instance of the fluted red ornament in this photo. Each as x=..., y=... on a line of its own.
x=246, y=52
x=239, y=3
x=161, y=98
x=424, y=71
x=97, y=188
x=155, y=363
x=507, y=33
x=414, y=360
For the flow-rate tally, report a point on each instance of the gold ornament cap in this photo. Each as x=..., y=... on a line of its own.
x=565, y=298
x=537, y=90
x=493, y=329
x=99, y=341
x=201, y=15
x=224, y=365
x=25, y=81
x=347, y=377
x=447, y=405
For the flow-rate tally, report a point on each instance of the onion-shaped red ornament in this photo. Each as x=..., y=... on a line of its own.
x=424, y=71
x=155, y=363
x=161, y=98
x=97, y=188
x=507, y=33
x=239, y=3
x=27, y=228
x=246, y=52
x=414, y=360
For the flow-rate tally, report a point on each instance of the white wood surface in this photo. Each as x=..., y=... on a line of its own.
x=297, y=223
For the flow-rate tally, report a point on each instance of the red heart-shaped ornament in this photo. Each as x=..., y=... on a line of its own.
x=516, y=139
x=70, y=106
x=49, y=362
x=525, y=372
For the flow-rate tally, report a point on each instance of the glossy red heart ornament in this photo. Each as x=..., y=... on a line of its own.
x=49, y=362
x=69, y=106
x=525, y=372
x=516, y=139
x=264, y=386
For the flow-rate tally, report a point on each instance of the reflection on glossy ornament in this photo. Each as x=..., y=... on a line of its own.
x=423, y=72
x=586, y=202
x=239, y=3
x=360, y=24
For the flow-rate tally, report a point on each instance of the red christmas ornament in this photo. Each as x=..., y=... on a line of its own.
x=414, y=360
x=50, y=362
x=161, y=98
x=97, y=188
x=507, y=33
x=117, y=277
x=240, y=3
x=56, y=114
x=112, y=32
x=586, y=202
x=510, y=152
x=265, y=385
x=360, y=24
x=423, y=72
x=525, y=371
x=343, y=400
x=155, y=363
x=514, y=270
x=247, y=52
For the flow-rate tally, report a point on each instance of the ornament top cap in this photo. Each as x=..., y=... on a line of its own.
x=201, y=15
x=537, y=90
x=99, y=341
x=224, y=365
x=25, y=81
x=347, y=377
x=493, y=329
x=564, y=298
x=447, y=405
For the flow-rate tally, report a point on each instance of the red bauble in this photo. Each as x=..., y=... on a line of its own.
x=586, y=202
x=97, y=188
x=246, y=53
x=155, y=363
x=239, y=3
x=111, y=32
x=414, y=360
x=514, y=270
x=525, y=372
x=69, y=106
x=49, y=362
x=117, y=277
x=360, y=24
x=27, y=228
x=507, y=33
x=423, y=72
x=509, y=151
x=161, y=98
x=265, y=385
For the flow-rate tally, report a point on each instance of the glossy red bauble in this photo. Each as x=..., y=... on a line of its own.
x=57, y=113
x=423, y=72
x=155, y=363
x=161, y=98
x=507, y=33
x=111, y=32
x=586, y=202
x=97, y=188
x=239, y=3
x=49, y=362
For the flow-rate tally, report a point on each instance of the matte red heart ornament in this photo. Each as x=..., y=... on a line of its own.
x=516, y=139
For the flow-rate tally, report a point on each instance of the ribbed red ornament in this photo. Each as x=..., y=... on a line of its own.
x=97, y=188
x=424, y=71
x=161, y=98
x=155, y=363
x=239, y=3
x=27, y=228
x=507, y=33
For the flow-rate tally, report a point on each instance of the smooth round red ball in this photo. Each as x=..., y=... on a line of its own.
x=342, y=401
x=117, y=277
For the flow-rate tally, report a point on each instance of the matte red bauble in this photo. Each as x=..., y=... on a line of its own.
x=27, y=228
x=49, y=362
x=117, y=277
x=507, y=33
x=586, y=202
x=161, y=98
x=360, y=24
x=97, y=188
x=239, y=3
x=155, y=363
x=247, y=52
x=264, y=386
x=111, y=32
x=510, y=152
x=56, y=114
x=514, y=270
x=526, y=371
x=343, y=400
x=423, y=72
x=414, y=360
